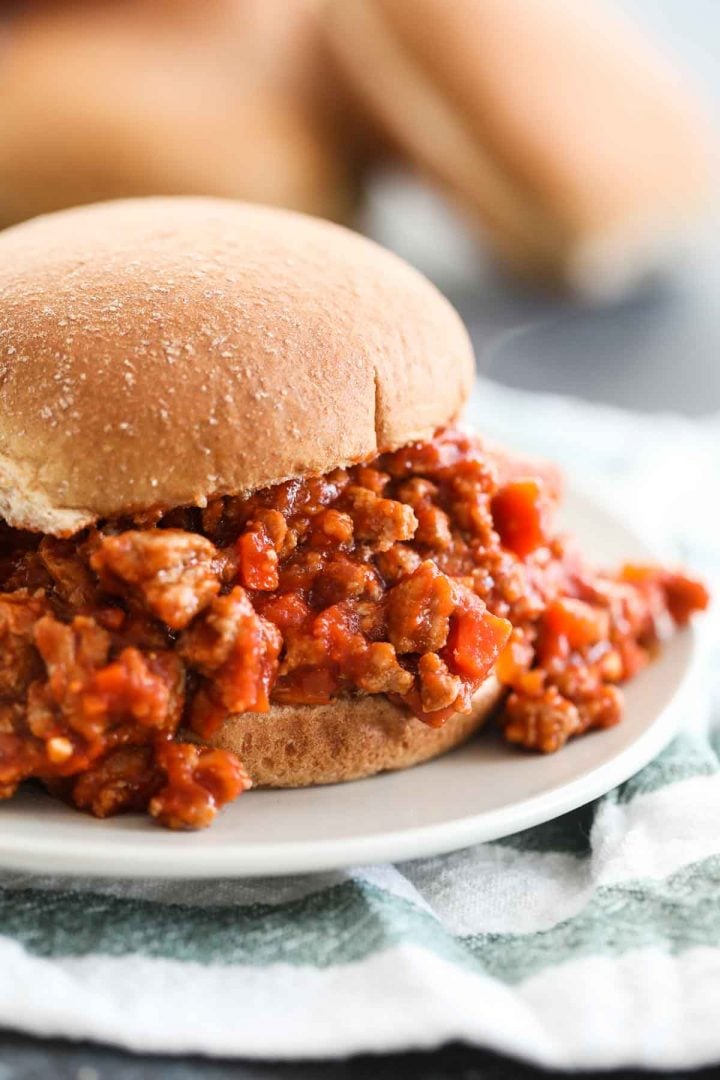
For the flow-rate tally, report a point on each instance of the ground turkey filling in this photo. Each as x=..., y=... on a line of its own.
x=410, y=576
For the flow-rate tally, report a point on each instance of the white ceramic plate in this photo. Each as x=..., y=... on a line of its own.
x=481, y=791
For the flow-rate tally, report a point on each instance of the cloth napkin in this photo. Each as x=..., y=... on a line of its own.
x=591, y=941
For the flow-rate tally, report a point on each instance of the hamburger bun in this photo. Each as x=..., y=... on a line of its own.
x=552, y=124
x=156, y=352
x=225, y=97
x=352, y=737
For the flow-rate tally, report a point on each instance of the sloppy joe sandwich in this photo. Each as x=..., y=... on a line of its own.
x=245, y=537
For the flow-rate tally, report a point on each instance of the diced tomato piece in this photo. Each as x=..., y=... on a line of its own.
x=288, y=611
x=581, y=623
x=553, y=648
x=476, y=639
x=247, y=676
x=515, y=659
x=570, y=625
x=684, y=596
x=520, y=510
x=208, y=715
x=636, y=574
x=257, y=560
x=338, y=632
x=306, y=686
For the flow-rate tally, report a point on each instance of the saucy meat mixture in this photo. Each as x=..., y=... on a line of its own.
x=411, y=576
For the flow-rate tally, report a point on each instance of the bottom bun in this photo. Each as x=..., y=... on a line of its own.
x=352, y=737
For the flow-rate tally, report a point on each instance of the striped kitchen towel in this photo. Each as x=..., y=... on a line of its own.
x=593, y=940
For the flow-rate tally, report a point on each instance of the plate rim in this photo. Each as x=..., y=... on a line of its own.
x=122, y=859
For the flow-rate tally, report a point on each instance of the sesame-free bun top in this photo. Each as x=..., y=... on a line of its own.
x=155, y=352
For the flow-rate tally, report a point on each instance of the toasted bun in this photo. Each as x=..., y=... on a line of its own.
x=552, y=123
x=106, y=100
x=156, y=352
x=300, y=745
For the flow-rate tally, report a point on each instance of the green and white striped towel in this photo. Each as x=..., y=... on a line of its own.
x=593, y=940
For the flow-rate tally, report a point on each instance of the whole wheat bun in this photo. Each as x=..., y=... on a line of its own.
x=104, y=99
x=156, y=352
x=352, y=737
x=553, y=124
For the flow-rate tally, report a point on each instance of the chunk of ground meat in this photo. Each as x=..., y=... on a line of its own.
x=602, y=709
x=344, y=579
x=468, y=503
x=380, y=671
x=173, y=573
x=419, y=610
x=381, y=521
x=433, y=529
x=19, y=662
x=397, y=562
x=69, y=569
x=273, y=524
x=71, y=650
x=334, y=528
x=237, y=649
x=17, y=752
x=257, y=559
x=544, y=723
x=124, y=780
x=198, y=783
x=438, y=687
x=88, y=704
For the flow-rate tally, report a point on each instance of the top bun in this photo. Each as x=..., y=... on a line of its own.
x=156, y=352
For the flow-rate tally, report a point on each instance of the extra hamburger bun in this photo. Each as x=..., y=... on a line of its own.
x=156, y=352
x=235, y=98
x=551, y=123
x=352, y=737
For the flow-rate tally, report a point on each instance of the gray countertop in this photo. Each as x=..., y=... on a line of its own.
x=657, y=351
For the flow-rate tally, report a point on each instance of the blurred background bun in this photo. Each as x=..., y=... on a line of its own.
x=559, y=131
x=106, y=98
